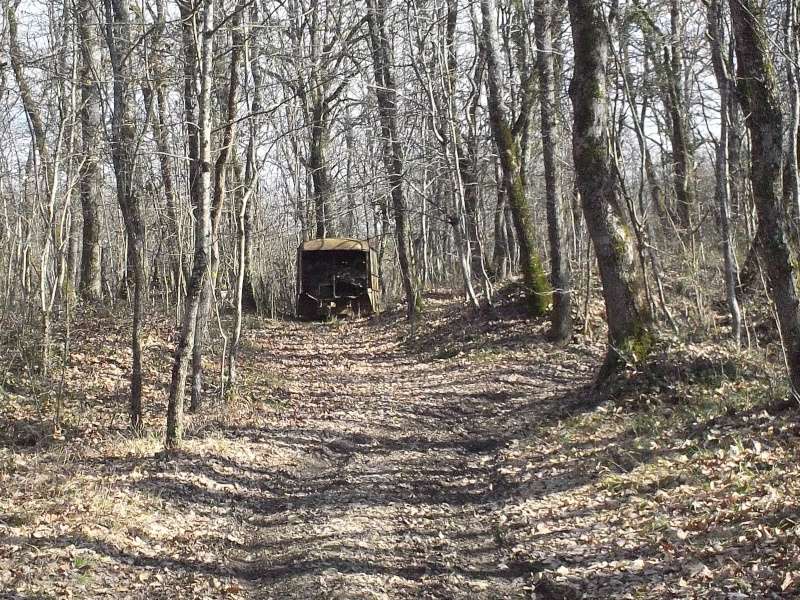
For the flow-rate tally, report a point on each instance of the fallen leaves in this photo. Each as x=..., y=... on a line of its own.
x=362, y=464
x=695, y=499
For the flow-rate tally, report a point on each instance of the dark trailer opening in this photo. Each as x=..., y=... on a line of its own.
x=335, y=277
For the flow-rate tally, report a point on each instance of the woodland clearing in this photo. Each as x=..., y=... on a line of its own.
x=472, y=460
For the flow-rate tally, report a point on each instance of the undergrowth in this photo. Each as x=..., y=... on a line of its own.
x=692, y=461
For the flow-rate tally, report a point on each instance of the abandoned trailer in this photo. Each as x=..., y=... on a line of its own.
x=337, y=277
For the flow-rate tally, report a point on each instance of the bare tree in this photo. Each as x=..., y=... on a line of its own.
x=218, y=199
x=320, y=67
x=506, y=139
x=436, y=70
x=758, y=90
x=42, y=149
x=155, y=97
x=679, y=131
x=560, y=277
x=665, y=52
x=252, y=52
x=201, y=188
x=91, y=128
x=629, y=333
x=386, y=94
x=723, y=187
x=123, y=153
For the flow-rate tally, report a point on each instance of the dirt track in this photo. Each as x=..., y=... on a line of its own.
x=388, y=484
x=360, y=462
x=357, y=462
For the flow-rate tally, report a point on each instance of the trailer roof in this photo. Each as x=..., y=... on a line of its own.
x=335, y=244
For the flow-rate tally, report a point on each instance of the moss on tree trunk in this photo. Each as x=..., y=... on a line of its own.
x=538, y=290
x=630, y=337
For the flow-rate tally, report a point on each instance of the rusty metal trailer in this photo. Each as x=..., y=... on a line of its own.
x=337, y=276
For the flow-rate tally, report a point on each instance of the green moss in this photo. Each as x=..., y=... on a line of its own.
x=419, y=303
x=540, y=293
x=598, y=90
x=620, y=237
x=510, y=145
x=636, y=347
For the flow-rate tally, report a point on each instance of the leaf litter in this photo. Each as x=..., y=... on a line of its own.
x=470, y=460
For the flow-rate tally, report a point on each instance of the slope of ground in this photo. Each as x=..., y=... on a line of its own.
x=683, y=485
x=357, y=461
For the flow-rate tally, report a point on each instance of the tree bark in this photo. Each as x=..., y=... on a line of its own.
x=759, y=94
x=91, y=285
x=537, y=287
x=681, y=148
x=560, y=276
x=319, y=173
x=791, y=172
x=629, y=333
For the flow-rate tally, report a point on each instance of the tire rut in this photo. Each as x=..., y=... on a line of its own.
x=401, y=498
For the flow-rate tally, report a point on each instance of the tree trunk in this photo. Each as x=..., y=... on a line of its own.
x=537, y=288
x=791, y=174
x=243, y=209
x=91, y=285
x=629, y=332
x=681, y=148
x=202, y=187
x=319, y=173
x=500, y=252
x=560, y=277
x=386, y=95
x=123, y=148
x=217, y=204
x=723, y=188
x=189, y=28
x=758, y=91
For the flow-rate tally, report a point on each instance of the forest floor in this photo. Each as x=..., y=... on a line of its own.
x=471, y=459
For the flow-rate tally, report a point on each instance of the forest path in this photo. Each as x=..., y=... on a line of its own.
x=388, y=485
x=357, y=461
